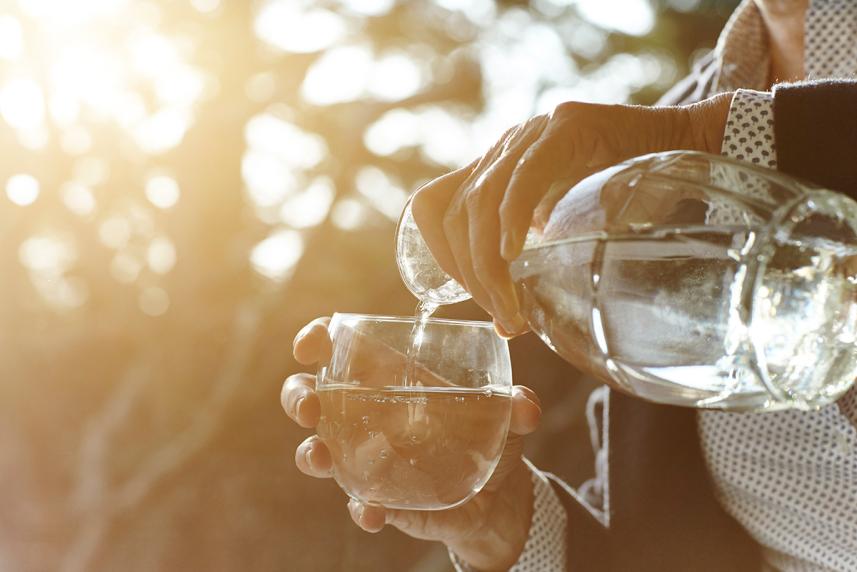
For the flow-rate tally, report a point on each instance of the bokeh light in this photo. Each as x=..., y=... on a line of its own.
x=22, y=189
x=184, y=184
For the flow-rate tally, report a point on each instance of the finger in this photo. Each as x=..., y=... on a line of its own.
x=312, y=344
x=456, y=230
x=428, y=206
x=368, y=517
x=300, y=401
x=312, y=458
x=506, y=334
x=431, y=205
x=529, y=183
x=455, y=226
x=526, y=411
x=489, y=268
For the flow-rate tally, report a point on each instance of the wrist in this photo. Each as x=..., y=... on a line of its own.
x=498, y=543
x=706, y=122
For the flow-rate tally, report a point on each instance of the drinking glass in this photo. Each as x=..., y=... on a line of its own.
x=415, y=412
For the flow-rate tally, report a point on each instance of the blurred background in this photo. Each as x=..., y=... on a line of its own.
x=184, y=183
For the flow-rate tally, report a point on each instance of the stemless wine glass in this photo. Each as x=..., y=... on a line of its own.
x=415, y=413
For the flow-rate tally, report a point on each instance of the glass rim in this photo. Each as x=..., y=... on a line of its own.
x=412, y=319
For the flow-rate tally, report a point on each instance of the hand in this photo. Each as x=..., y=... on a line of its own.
x=489, y=531
x=475, y=219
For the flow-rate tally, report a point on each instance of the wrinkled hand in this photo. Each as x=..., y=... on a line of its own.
x=489, y=531
x=475, y=219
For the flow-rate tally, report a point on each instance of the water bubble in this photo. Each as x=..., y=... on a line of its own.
x=365, y=420
x=384, y=454
x=413, y=462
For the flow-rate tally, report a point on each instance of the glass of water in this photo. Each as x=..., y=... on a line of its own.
x=415, y=412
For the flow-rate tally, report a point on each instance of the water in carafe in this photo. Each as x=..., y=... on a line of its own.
x=695, y=280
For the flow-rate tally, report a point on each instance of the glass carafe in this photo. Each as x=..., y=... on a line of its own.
x=688, y=279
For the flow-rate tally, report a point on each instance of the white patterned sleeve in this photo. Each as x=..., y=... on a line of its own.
x=749, y=134
x=545, y=550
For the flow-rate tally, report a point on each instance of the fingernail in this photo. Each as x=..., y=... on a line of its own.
x=501, y=329
x=534, y=397
x=516, y=325
x=298, y=337
x=356, y=508
x=536, y=405
x=533, y=401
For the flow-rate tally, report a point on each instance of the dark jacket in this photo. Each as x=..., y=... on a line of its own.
x=663, y=515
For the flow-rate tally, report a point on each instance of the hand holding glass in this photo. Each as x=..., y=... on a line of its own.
x=424, y=435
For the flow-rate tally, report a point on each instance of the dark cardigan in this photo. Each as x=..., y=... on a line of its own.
x=664, y=515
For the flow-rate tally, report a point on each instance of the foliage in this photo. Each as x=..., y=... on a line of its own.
x=186, y=184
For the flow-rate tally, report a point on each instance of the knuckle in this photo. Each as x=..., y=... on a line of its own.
x=568, y=109
x=565, y=109
x=473, y=199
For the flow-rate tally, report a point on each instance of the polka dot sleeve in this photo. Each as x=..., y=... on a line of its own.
x=789, y=477
x=545, y=550
x=749, y=134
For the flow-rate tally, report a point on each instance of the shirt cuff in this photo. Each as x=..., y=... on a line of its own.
x=545, y=550
x=749, y=134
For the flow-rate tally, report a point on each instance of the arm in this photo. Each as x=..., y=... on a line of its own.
x=816, y=132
